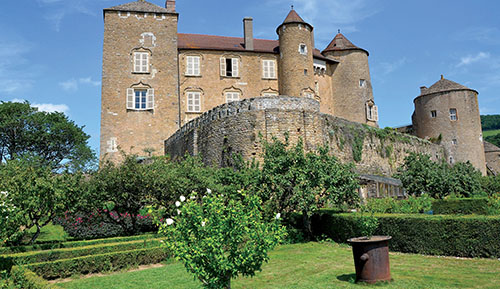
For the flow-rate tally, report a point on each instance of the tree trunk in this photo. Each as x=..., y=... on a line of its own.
x=228, y=284
x=36, y=234
x=307, y=225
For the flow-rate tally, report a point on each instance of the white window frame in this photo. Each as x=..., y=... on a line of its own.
x=138, y=102
x=269, y=93
x=193, y=101
x=235, y=63
x=193, y=65
x=362, y=83
x=371, y=112
x=433, y=113
x=303, y=49
x=232, y=96
x=141, y=62
x=453, y=114
x=269, y=69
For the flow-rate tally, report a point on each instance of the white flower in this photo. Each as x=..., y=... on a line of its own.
x=278, y=215
x=203, y=224
x=209, y=191
x=182, y=198
x=178, y=212
x=4, y=193
x=177, y=203
x=169, y=221
x=192, y=197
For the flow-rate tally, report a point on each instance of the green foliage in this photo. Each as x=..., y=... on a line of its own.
x=490, y=122
x=294, y=181
x=357, y=145
x=98, y=263
x=419, y=175
x=219, y=238
x=491, y=184
x=367, y=225
x=463, y=236
x=51, y=137
x=27, y=279
x=479, y=206
x=32, y=196
x=494, y=139
x=411, y=205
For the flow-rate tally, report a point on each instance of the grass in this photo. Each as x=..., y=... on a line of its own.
x=48, y=233
x=490, y=132
x=318, y=265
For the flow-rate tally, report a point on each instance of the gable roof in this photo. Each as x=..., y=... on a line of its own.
x=444, y=85
x=340, y=43
x=224, y=43
x=139, y=6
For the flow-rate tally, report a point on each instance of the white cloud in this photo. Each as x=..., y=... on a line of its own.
x=58, y=10
x=48, y=107
x=73, y=84
x=469, y=59
x=389, y=67
x=487, y=35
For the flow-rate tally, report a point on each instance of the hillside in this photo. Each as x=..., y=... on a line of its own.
x=491, y=128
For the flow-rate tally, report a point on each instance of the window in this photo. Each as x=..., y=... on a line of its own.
x=454, y=141
x=269, y=93
x=453, y=114
x=308, y=95
x=362, y=83
x=141, y=62
x=305, y=71
x=112, y=145
x=303, y=49
x=232, y=96
x=193, y=101
x=268, y=69
x=371, y=112
x=452, y=160
x=433, y=113
x=193, y=65
x=316, y=87
x=140, y=99
x=229, y=67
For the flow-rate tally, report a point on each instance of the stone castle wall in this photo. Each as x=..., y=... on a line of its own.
x=241, y=127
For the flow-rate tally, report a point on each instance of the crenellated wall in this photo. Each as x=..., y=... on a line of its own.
x=241, y=127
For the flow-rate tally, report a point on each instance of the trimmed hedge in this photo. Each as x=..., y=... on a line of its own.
x=462, y=236
x=98, y=263
x=72, y=244
x=29, y=280
x=463, y=206
x=7, y=261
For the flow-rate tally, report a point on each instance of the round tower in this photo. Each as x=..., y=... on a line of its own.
x=296, y=73
x=351, y=84
x=448, y=113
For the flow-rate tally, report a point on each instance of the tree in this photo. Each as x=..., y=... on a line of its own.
x=51, y=137
x=32, y=195
x=219, y=238
x=294, y=181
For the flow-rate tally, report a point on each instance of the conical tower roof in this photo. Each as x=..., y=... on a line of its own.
x=340, y=43
x=293, y=17
x=444, y=85
x=139, y=6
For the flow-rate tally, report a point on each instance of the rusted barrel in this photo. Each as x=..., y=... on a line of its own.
x=371, y=258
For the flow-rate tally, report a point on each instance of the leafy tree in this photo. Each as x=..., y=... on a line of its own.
x=219, y=238
x=32, y=195
x=294, y=181
x=494, y=139
x=51, y=137
x=490, y=122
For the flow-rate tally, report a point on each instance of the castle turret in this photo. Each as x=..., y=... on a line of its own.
x=448, y=112
x=296, y=73
x=139, y=102
x=351, y=84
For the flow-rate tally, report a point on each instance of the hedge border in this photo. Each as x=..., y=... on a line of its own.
x=462, y=206
x=30, y=280
x=98, y=263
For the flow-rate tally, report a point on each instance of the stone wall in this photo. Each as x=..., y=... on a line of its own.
x=241, y=127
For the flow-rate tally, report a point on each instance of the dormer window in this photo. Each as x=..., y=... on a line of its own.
x=303, y=49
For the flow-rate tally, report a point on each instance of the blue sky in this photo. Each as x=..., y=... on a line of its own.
x=51, y=50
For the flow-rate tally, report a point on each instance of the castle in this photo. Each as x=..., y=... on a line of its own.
x=164, y=91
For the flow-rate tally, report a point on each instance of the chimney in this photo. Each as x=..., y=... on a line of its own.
x=170, y=5
x=248, y=32
x=423, y=89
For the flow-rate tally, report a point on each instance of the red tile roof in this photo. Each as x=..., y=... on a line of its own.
x=340, y=43
x=138, y=6
x=443, y=85
x=213, y=42
x=293, y=17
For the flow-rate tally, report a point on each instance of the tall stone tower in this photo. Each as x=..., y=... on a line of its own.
x=351, y=84
x=139, y=103
x=296, y=73
x=448, y=112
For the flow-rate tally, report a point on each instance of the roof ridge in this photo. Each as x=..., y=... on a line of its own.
x=340, y=43
x=139, y=6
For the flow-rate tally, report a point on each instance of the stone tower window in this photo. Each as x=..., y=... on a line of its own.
x=453, y=114
x=192, y=65
x=303, y=49
x=232, y=96
x=452, y=160
x=371, y=111
x=454, y=141
x=229, y=66
x=268, y=69
x=193, y=101
x=316, y=87
x=362, y=83
x=141, y=62
x=140, y=98
x=433, y=113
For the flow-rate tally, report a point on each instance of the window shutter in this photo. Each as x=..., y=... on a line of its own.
x=375, y=113
x=137, y=62
x=234, y=62
x=150, y=98
x=145, y=63
x=189, y=65
x=130, y=98
x=265, y=69
x=196, y=65
x=222, y=66
x=272, y=69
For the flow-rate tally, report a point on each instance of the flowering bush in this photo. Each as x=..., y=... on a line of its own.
x=97, y=225
x=219, y=238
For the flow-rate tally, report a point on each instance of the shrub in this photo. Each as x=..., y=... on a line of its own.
x=411, y=205
x=478, y=206
x=463, y=236
x=27, y=279
x=98, y=263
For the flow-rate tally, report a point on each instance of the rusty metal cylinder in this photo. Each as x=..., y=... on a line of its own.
x=371, y=258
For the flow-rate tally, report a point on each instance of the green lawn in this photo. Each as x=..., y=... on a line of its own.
x=49, y=233
x=490, y=132
x=318, y=265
